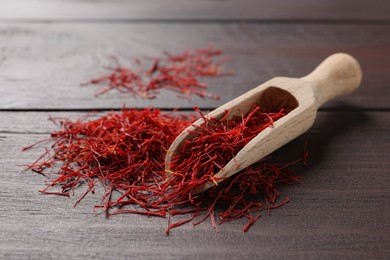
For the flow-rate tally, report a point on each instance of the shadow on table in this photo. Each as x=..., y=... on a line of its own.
x=329, y=127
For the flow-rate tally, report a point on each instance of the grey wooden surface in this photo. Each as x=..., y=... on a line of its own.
x=48, y=47
x=302, y=10
x=42, y=65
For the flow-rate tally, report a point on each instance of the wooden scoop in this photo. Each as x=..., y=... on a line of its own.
x=337, y=75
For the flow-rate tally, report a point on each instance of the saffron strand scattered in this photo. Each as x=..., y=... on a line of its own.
x=180, y=73
x=124, y=152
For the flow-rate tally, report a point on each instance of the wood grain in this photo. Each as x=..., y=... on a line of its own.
x=47, y=48
x=42, y=65
x=340, y=211
x=302, y=10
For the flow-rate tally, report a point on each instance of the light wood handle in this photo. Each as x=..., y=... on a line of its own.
x=337, y=75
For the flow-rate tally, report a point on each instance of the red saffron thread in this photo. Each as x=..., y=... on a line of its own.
x=125, y=151
x=180, y=73
x=169, y=224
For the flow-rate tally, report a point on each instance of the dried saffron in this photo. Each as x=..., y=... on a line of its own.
x=124, y=151
x=217, y=141
x=214, y=144
x=176, y=72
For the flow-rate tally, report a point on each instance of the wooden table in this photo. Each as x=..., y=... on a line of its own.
x=48, y=47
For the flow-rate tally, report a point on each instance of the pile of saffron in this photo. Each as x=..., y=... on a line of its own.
x=125, y=152
x=217, y=141
x=180, y=73
x=213, y=145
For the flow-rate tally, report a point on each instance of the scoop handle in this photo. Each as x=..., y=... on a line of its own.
x=338, y=75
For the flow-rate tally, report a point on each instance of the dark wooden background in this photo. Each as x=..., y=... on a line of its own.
x=48, y=47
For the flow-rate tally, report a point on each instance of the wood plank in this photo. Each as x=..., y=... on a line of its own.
x=42, y=65
x=341, y=210
x=199, y=10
